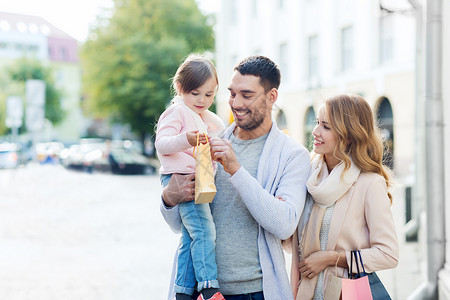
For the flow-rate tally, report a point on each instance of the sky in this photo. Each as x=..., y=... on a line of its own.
x=73, y=16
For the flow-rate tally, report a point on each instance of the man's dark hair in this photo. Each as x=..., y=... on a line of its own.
x=262, y=67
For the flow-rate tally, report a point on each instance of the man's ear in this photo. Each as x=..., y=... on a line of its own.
x=273, y=95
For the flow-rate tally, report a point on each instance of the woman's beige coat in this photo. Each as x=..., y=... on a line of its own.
x=362, y=220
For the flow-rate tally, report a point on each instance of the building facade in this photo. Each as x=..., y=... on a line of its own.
x=327, y=47
x=444, y=274
x=32, y=36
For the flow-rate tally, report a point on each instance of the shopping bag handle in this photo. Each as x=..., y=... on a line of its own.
x=355, y=254
x=350, y=274
x=198, y=141
x=360, y=260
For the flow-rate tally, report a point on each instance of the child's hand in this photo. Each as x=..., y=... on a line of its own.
x=192, y=138
x=202, y=139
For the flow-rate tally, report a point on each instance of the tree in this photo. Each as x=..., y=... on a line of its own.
x=7, y=88
x=130, y=58
x=27, y=68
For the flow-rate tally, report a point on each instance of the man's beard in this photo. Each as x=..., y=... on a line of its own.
x=256, y=117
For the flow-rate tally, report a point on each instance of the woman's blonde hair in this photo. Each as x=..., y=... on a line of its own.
x=351, y=117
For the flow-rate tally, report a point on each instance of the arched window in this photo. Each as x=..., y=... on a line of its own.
x=385, y=119
x=281, y=120
x=310, y=123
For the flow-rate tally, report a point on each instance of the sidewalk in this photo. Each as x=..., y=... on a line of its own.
x=70, y=236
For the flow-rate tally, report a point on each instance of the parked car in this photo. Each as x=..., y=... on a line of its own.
x=117, y=157
x=128, y=161
x=49, y=152
x=86, y=157
x=11, y=156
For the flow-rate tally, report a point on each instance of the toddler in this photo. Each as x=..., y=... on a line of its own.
x=196, y=84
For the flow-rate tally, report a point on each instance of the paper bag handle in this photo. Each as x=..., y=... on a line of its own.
x=198, y=141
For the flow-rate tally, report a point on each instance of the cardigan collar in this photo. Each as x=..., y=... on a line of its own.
x=270, y=141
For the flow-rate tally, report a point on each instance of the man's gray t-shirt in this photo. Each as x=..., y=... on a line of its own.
x=239, y=269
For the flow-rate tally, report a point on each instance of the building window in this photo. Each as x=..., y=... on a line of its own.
x=281, y=121
x=59, y=77
x=283, y=52
x=386, y=123
x=310, y=123
x=233, y=10
x=63, y=53
x=346, y=48
x=254, y=9
x=386, y=40
x=313, y=57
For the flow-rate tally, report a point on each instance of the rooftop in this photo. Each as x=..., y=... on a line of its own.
x=12, y=22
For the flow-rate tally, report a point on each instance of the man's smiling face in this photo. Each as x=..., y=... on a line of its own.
x=248, y=101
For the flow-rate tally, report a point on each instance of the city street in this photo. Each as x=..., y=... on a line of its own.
x=70, y=235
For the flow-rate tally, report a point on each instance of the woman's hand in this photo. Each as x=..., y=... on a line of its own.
x=317, y=262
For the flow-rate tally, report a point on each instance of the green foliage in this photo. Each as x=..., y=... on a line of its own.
x=4, y=87
x=128, y=63
x=3, y=129
x=26, y=68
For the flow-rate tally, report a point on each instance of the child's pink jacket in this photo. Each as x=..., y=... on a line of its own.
x=172, y=146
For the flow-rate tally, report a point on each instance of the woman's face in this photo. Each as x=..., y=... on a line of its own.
x=325, y=138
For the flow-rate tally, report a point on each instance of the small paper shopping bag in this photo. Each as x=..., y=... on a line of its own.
x=334, y=288
x=356, y=289
x=357, y=286
x=205, y=189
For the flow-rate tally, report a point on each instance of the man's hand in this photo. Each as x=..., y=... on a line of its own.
x=181, y=188
x=222, y=152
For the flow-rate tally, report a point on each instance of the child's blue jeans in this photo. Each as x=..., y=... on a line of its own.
x=196, y=254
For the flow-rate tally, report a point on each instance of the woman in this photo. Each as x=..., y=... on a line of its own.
x=351, y=207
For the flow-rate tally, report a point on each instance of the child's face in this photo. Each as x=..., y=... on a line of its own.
x=201, y=98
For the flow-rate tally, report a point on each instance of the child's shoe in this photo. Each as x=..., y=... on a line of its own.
x=216, y=296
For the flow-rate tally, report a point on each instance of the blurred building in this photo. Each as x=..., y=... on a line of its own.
x=324, y=48
x=32, y=36
x=444, y=274
x=327, y=47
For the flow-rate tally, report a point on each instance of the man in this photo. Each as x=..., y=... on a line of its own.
x=260, y=189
